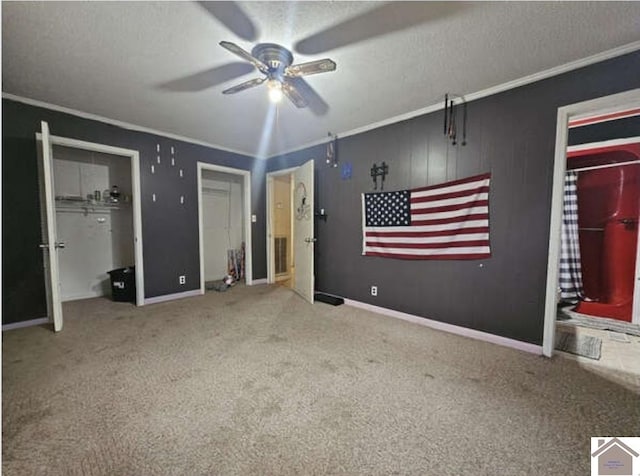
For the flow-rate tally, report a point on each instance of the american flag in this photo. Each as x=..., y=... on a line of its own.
x=446, y=221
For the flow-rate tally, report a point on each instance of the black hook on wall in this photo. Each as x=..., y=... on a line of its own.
x=379, y=171
x=451, y=118
x=332, y=151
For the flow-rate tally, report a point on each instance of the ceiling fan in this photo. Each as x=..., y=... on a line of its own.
x=275, y=61
x=282, y=77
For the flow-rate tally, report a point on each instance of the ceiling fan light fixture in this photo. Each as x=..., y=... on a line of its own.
x=275, y=90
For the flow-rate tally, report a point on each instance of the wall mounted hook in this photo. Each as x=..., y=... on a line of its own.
x=332, y=150
x=451, y=118
x=379, y=171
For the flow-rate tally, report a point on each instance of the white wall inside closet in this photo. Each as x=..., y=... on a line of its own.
x=98, y=236
x=222, y=220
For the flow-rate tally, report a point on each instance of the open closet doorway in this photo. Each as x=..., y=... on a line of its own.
x=224, y=214
x=592, y=289
x=94, y=219
x=91, y=221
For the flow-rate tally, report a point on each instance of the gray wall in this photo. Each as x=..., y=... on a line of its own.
x=511, y=135
x=169, y=229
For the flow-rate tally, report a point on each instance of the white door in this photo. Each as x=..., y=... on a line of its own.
x=50, y=242
x=303, y=232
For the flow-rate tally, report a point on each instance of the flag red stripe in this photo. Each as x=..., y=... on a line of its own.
x=442, y=221
x=438, y=257
x=427, y=234
x=444, y=196
x=418, y=246
x=475, y=178
x=449, y=208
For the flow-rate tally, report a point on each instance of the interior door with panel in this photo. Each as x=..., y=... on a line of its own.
x=50, y=243
x=303, y=231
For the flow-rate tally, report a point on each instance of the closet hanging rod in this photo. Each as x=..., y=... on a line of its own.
x=605, y=166
x=215, y=190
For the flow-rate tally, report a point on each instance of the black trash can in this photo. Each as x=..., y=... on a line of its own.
x=123, y=284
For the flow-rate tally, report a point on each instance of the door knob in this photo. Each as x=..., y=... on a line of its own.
x=310, y=240
x=60, y=244
x=43, y=245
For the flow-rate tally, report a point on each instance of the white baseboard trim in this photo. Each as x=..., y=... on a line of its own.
x=29, y=323
x=171, y=297
x=259, y=281
x=453, y=329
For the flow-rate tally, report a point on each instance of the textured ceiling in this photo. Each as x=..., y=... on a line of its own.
x=128, y=60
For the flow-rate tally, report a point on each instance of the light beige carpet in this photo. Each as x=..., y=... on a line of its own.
x=256, y=381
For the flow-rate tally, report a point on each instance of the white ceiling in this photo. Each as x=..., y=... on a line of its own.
x=120, y=60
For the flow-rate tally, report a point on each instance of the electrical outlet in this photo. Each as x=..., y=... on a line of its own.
x=182, y=279
x=374, y=290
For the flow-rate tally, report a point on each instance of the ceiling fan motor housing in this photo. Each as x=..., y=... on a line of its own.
x=276, y=57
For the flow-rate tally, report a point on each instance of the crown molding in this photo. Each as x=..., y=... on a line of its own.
x=114, y=122
x=532, y=78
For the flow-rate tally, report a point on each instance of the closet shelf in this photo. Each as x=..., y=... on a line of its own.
x=86, y=206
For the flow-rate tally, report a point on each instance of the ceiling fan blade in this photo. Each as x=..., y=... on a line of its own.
x=246, y=85
x=388, y=18
x=231, y=15
x=292, y=93
x=208, y=78
x=235, y=49
x=303, y=95
x=312, y=67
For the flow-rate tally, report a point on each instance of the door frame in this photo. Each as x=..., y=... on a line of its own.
x=603, y=105
x=247, y=218
x=134, y=156
x=271, y=266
